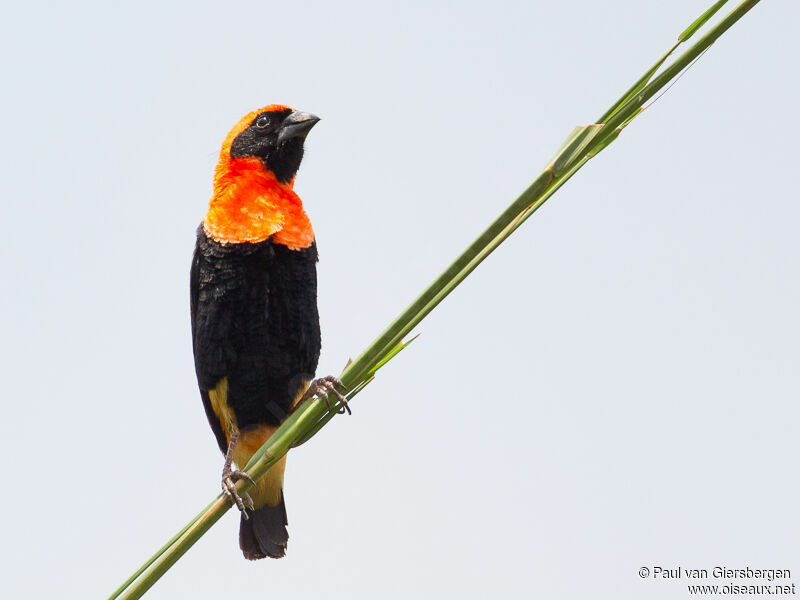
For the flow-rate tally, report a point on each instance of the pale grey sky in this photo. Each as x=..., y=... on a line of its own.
x=616, y=387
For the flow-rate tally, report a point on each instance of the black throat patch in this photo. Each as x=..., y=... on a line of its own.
x=260, y=140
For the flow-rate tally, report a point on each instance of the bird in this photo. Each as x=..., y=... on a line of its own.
x=255, y=324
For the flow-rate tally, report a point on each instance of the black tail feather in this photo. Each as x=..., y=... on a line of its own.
x=264, y=533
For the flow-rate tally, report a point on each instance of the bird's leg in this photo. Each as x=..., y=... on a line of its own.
x=322, y=387
x=230, y=476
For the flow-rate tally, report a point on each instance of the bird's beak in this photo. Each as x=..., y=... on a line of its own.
x=297, y=124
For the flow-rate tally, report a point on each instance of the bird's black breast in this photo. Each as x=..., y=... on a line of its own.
x=254, y=321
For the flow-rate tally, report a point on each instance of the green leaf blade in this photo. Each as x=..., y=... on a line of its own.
x=692, y=29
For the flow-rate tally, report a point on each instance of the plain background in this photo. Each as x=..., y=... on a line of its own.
x=615, y=387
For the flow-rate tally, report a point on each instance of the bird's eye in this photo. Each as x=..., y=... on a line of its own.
x=262, y=121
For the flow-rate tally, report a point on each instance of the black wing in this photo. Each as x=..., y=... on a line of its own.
x=194, y=292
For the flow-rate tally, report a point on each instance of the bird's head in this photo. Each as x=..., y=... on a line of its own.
x=253, y=196
x=275, y=135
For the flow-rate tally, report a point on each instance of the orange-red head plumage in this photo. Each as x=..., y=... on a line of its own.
x=253, y=197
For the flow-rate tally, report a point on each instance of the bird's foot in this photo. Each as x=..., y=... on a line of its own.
x=322, y=387
x=243, y=502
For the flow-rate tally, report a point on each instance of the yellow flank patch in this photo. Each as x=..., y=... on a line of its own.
x=300, y=392
x=219, y=404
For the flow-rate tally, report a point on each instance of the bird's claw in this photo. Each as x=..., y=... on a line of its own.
x=322, y=387
x=243, y=502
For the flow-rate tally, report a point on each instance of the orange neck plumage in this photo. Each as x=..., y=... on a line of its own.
x=250, y=205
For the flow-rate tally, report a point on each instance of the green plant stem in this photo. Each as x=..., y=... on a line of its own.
x=634, y=104
x=582, y=145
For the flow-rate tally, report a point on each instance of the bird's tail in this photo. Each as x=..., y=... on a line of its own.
x=264, y=532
